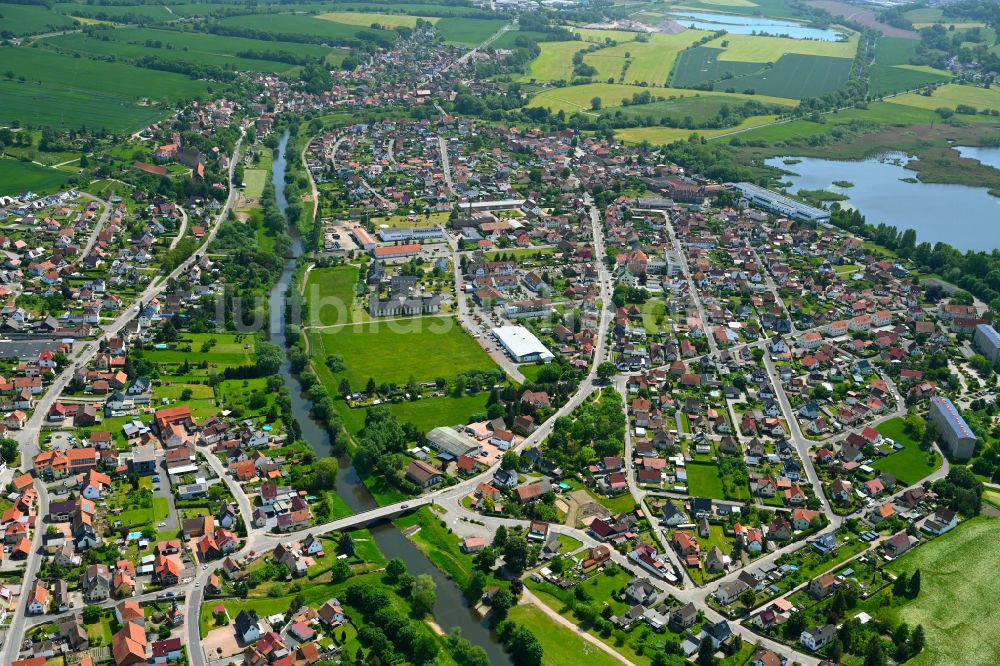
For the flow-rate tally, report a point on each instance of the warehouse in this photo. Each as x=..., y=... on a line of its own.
x=780, y=204
x=952, y=428
x=522, y=345
x=451, y=444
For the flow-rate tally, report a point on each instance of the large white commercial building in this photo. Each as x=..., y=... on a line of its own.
x=522, y=345
x=780, y=204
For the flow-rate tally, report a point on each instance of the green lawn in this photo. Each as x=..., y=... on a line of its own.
x=17, y=176
x=423, y=348
x=957, y=601
x=909, y=465
x=426, y=414
x=439, y=544
x=561, y=645
x=331, y=296
x=704, y=481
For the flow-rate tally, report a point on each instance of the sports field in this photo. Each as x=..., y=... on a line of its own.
x=951, y=95
x=367, y=18
x=756, y=48
x=577, y=98
x=424, y=348
x=68, y=92
x=17, y=176
x=957, y=600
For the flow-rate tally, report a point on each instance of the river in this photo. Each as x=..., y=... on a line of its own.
x=450, y=608
x=964, y=217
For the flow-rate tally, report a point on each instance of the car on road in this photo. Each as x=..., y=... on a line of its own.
x=204, y=567
x=161, y=524
x=156, y=478
x=405, y=506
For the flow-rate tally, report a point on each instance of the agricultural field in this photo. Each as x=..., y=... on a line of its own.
x=600, y=36
x=467, y=31
x=577, y=98
x=795, y=75
x=17, y=177
x=289, y=24
x=554, y=63
x=664, y=135
x=951, y=95
x=697, y=106
x=366, y=19
x=20, y=20
x=891, y=71
x=957, y=604
x=68, y=92
x=423, y=348
x=755, y=48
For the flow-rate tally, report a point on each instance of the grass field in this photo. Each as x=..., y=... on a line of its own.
x=68, y=92
x=951, y=95
x=577, y=98
x=17, y=176
x=698, y=106
x=957, y=601
x=756, y=48
x=467, y=31
x=330, y=294
x=424, y=348
x=560, y=644
x=32, y=19
x=704, y=481
x=909, y=465
x=368, y=18
x=426, y=414
x=601, y=36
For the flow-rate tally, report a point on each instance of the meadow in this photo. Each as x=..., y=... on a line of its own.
x=957, y=603
x=423, y=348
x=555, y=62
x=426, y=414
x=68, y=92
x=696, y=106
x=664, y=135
x=331, y=288
x=560, y=645
x=17, y=176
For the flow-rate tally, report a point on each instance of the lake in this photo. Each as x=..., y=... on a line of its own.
x=964, y=217
x=990, y=156
x=746, y=25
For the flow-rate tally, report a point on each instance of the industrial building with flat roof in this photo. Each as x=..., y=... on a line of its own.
x=952, y=428
x=780, y=204
x=987, y=342
x=499, y=204
x=451, y=443
x=522, y=345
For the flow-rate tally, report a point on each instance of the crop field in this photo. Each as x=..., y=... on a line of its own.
x=664, y=135
x=368, y=18
x=651, y=61
x=17, y=176
x=508, y=40
x=891, y=71
x=68, y=92
x=600, y=36
x=577, y=98
x=702, y=63
x=555, y=62
x=424, y=348
x=164, y=12
x=951, y=95
x=192, y=47
x=754, y=48
x=467, y=31
x=31, y=19
x=288, y=24
x=957, y=601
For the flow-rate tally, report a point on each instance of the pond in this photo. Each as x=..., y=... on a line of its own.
x=748, y=25
x=964, y=217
